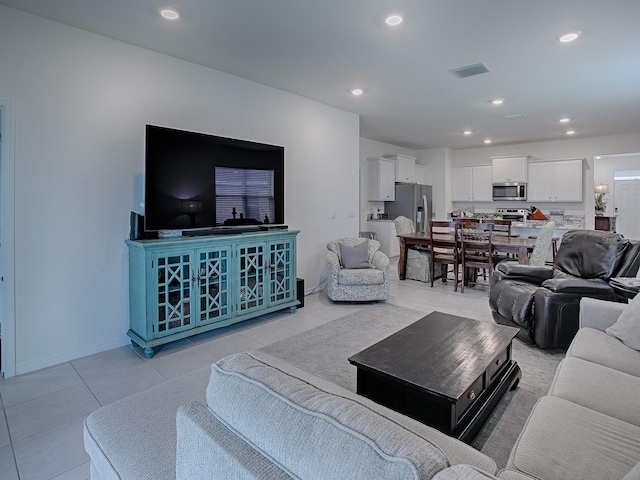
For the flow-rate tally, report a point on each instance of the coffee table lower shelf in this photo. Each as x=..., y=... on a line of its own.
x=462, y=418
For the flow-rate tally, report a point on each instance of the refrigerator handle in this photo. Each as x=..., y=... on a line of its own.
x=425, y=209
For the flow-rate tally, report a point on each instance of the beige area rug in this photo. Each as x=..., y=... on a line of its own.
x=324, y=351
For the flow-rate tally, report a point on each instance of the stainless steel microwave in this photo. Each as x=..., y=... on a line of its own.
x=510, y=191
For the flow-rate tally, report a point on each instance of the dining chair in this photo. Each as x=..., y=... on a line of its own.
x=445, y=249
x=500, y=226
x=476, y=251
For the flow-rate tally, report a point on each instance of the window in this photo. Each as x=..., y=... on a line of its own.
x=246, y=193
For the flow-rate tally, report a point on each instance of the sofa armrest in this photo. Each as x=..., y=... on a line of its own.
x=526, y=273
x=599, y=314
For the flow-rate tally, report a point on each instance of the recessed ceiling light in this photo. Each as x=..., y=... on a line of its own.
x=467, y=132
x=171, y=13
x=488, y=140
x=568, y=37
x=565, y=120
x=497, y=101
x=394, y=20
x=357, y=91
x=570, y=132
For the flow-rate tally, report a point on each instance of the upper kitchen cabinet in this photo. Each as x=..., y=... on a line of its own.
x=405, y=168
x=471, y=184
x=421, y=174
x=559, y=181
x=382, y=180
x=509, y=169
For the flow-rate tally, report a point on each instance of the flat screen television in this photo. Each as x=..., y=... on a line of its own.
x=196, y=181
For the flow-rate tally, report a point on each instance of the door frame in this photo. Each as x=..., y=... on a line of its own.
x=7, y=242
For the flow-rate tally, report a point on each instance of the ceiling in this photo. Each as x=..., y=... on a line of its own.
x=322, y=49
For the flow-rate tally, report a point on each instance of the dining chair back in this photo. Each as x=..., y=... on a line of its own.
x=445, y=249
x=476, y=251
x=500, y=225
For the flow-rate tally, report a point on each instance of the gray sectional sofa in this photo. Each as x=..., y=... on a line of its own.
x=255, y=416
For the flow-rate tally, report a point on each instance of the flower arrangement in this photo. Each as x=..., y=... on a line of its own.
x=600, y=203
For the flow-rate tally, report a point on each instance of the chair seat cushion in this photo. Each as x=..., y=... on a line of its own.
x=360, y=276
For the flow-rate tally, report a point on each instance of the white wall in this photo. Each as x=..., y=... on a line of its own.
x=373, y=149
x=81, y=104
x=586, y=148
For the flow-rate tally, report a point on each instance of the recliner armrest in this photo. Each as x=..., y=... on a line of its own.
x=583, y=286
x=527, y=273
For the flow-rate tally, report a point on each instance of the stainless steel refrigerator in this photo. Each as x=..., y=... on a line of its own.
x=414, y=202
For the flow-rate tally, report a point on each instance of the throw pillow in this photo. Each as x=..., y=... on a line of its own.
x=627, y=327
x=356, y=256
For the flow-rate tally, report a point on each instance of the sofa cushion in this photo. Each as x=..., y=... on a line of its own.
x=627, y=327
x=252, y=398
x=360, y=276
x=590, y=253
x=565, y=441
x=354, y=256
x=599, y=388
x=598, y=347
x=463, y=472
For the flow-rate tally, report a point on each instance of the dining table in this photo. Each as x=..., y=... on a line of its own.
x=520, y=246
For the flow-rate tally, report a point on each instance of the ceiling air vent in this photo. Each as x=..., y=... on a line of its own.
x=513, y=116
x=470, y=70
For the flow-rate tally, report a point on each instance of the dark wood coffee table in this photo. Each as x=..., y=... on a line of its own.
x=446, y=371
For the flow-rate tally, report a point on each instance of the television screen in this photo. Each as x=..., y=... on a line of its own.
x=196, y=181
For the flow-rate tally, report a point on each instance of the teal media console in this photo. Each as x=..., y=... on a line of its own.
x=183, y=286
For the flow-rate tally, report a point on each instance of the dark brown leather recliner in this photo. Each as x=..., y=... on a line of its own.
x=544, y=302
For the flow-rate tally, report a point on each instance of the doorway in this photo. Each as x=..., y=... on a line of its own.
x=621, y=172
x=7, y=267
x=626, y=201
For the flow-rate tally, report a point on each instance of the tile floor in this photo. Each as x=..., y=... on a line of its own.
x=43, y=411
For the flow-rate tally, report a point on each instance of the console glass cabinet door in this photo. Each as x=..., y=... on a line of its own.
x=181, y=287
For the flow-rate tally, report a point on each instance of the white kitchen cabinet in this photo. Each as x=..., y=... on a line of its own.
x=471, y=184
x=405, y=168
x=509, y=169
x=421, y=174
x=382, y=180
x=555, y=181
x=386, y=234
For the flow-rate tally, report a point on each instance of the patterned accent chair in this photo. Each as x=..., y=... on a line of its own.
x=418, y=258
x=538, y=256
x=357, y=284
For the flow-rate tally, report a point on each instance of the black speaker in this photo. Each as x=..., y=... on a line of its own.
x=300, y=291
x=136, y=222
